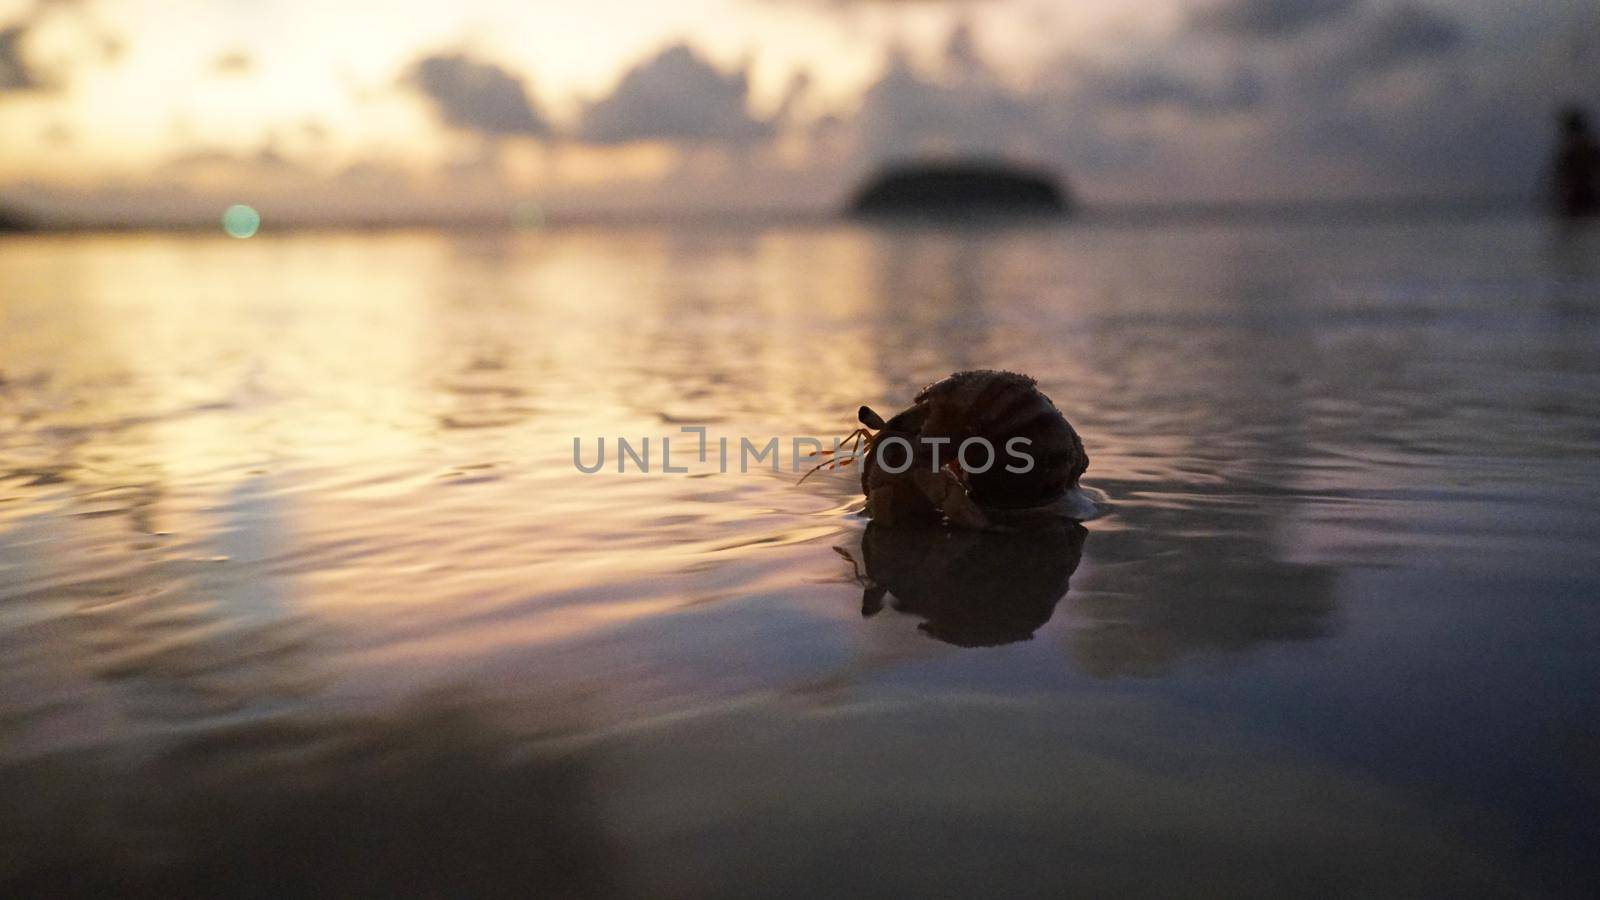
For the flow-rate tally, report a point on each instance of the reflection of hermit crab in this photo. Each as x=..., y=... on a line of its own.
x=970, y=448
x=970, y=588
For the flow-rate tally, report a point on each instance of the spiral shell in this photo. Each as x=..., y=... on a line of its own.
x=998, y=407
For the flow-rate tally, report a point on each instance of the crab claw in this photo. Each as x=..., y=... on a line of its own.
x=948, y=495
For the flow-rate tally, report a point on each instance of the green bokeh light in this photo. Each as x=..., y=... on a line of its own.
x=240, y=221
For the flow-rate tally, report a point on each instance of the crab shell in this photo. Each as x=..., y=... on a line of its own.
x=995, y=406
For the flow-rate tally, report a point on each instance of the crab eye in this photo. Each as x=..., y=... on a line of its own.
x=869, y=418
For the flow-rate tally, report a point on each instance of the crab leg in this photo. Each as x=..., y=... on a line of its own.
x=842, y=460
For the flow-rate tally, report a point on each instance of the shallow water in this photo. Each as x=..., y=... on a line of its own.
x=300, y=587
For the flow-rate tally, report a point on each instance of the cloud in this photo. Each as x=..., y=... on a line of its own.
x=1352, y=37
x=1244, y=99
x=798, y=89
x=1398, y=36
x=1077, y=114
x=961, y=51
x=203, y=163
x=1157, y=85
x=476, y=96
x=675, y=96
x=1384, y=98
x=1270, y=18
x=94, y=42
x=961, y=109
x=16, y=74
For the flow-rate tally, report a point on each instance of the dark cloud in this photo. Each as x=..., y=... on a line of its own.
x=963, y=108
x=264, y=160
x=16, y=74
x=798, y=90
x=476, y=96
x=675, y=96
x=961, y=51
x=1154, y=85
x=1270, y=18
x=1467, y=117
x=905, y=113
x=1080, y=112
x=1396, y=37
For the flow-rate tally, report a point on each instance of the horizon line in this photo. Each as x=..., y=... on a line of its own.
x=1080, y=212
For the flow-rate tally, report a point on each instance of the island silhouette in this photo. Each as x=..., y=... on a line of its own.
x=958, y=189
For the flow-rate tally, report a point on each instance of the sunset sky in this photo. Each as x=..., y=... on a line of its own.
x=168, y=110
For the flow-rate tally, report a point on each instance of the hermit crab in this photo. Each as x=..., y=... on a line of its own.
x=974, y=449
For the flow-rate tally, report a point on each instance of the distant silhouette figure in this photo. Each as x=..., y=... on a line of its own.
x=1577, y=169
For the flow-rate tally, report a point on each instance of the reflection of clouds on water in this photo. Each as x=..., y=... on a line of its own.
x=1169, y=581
x=1154, y=598
x=929, y=302
x=229, y=515
x=483, y=352
x=1212, y=432
x=182, y=630
x=1157, y=594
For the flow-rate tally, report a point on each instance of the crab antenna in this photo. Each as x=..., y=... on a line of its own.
x=858, y=435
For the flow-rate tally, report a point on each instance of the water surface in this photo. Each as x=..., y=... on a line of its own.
x=299, y=585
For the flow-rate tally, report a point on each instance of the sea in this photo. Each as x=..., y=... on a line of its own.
x=304, y=586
